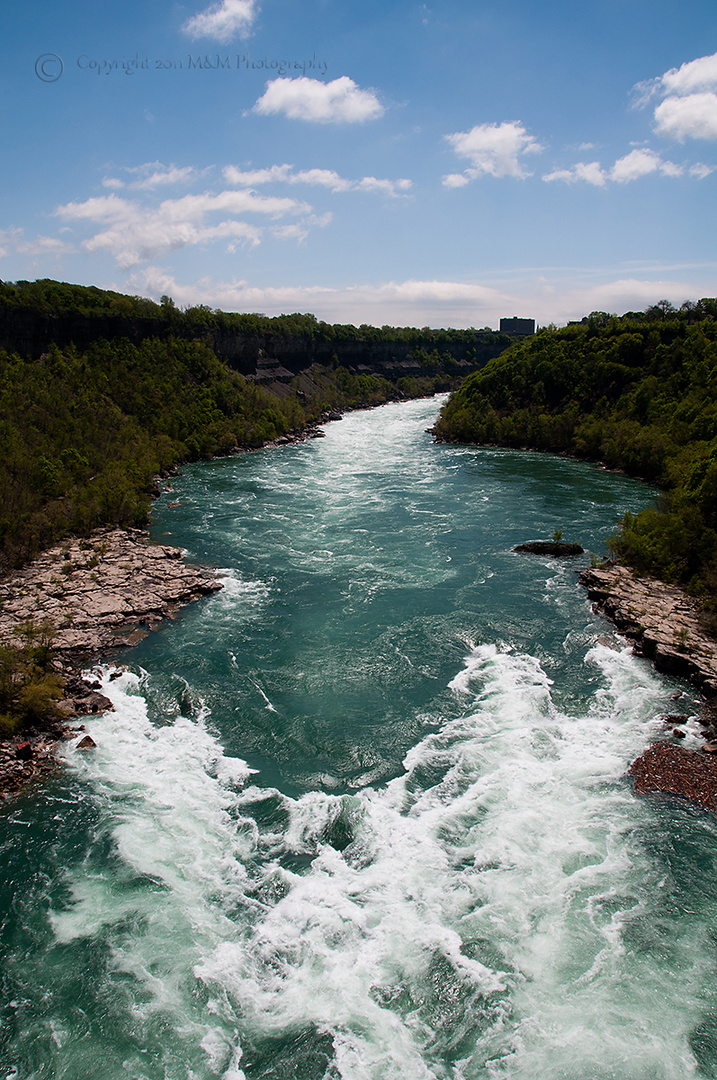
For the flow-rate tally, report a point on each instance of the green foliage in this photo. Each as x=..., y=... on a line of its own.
x=638, y=393
x=29, y=691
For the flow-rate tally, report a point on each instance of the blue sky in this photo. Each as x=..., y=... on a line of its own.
x=403, y=163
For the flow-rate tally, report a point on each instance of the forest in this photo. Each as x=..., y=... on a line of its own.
x=636, y=392
x=85, y=429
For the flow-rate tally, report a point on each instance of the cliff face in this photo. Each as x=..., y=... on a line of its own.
x=30, y=332
x=263, y=356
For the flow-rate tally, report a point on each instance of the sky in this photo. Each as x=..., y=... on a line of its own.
x=391, y=162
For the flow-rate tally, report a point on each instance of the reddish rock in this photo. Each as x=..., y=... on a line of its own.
x=674, y=770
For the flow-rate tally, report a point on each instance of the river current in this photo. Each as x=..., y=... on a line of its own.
x=364, y=814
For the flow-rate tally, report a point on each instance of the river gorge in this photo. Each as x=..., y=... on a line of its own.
x=364, y=813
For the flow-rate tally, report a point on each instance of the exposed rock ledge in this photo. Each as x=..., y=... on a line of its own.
x=100, y=594
x=664, y=624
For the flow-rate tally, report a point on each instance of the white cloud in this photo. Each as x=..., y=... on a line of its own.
x=327, y=178
x=46, y=245
x=291, y=232
x=322, y=178
x=164, y=175
x=640, y=163
x=154, y=174
x=632, y=166
x=700, y=170
x=135, y=233
x=590, y=172
x=456, y=180
x=691, y=117
x=9, y=239
x=385, y=187
x=222, y=21
x=493, y=149
x=689, y=108
x=253, y=177
x=337, y=102
x=700, y=74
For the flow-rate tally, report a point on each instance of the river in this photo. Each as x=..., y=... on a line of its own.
x=364, y=814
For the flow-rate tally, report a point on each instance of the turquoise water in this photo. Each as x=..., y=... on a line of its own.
x=363, y=814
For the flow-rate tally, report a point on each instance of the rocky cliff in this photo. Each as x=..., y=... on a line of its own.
x=262, y=354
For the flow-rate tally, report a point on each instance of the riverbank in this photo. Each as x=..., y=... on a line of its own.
x=100, y=595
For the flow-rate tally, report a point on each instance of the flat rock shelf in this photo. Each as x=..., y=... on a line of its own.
x=99, y=594
x=660, y=620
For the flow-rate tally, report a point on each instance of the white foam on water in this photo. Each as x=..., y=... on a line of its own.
x=239, y=597
x=522, y=838
x=468, y=920
x=169, y=797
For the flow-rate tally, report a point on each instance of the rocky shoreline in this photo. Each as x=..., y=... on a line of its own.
x=99, y=594
x=665, y=625
x=660, y=621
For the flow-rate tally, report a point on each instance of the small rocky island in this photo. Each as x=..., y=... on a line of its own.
x=557, y=548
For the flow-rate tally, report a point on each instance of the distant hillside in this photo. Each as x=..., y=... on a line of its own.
x=638, y=393
x=99, y=392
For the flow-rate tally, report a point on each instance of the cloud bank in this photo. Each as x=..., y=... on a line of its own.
x=551, y=296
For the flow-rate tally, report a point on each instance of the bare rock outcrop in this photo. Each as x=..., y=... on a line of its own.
x=665, y=625
x=101, y=593
x=660, y=620
x=94, y=596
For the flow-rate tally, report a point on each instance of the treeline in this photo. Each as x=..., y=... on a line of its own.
x=638, y=393
x=61, y=299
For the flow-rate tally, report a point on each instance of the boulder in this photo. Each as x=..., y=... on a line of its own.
x=549, y=547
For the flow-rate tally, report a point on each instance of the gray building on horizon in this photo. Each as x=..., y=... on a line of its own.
x=517, y=326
